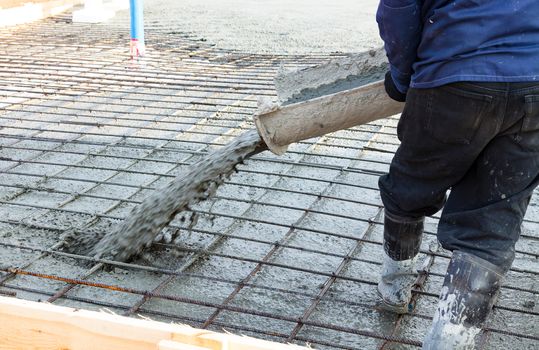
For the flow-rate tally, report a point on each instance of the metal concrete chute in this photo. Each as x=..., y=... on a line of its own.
x=323, y=99
x=281, y=126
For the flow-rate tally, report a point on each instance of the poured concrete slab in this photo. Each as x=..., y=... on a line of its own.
x=290, y=237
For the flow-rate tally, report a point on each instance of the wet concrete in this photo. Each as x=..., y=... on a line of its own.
x=341, y=74
x=143, y=224
x=273, y=27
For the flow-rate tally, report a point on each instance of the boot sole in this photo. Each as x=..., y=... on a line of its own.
x=383, y=305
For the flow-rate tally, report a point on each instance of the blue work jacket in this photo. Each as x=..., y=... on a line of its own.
x=435, y=42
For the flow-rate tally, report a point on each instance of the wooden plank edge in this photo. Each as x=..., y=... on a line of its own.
x=28, y=324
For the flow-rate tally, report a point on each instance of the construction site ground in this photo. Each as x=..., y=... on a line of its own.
x=290, y=247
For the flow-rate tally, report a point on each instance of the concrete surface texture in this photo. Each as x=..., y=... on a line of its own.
x=337, y=75
x=271, y=26
x=288, y=249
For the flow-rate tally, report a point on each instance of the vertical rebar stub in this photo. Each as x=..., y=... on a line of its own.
x=137, y=46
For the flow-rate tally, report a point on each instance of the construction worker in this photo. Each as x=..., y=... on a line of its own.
x=469, y=73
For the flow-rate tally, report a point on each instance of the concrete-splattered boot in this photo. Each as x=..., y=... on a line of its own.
x=469, y=291
x=402, y=239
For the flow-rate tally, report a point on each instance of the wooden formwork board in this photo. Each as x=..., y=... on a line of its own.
x=30, y=325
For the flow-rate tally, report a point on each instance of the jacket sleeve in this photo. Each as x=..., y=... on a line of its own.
x=400, y=27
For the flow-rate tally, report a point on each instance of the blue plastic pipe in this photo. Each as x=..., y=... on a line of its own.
x=137, y=28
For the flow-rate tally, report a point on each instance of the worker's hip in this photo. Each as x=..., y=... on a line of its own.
x=454, y=113
x=482, y=142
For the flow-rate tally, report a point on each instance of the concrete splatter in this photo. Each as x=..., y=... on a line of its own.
x=144, y=223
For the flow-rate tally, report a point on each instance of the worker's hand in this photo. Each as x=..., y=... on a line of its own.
x=392, y=90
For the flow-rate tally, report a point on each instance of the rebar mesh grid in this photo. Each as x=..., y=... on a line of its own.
x=288, y=249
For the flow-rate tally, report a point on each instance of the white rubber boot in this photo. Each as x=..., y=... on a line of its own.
x=395, y=285
x=402, y=239
x=469, y=291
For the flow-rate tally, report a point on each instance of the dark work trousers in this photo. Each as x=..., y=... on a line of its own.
x=481, y=140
